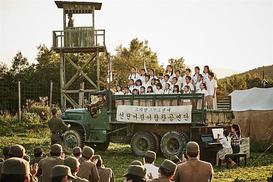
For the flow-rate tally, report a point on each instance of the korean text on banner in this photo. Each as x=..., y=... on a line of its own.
x=162, y=114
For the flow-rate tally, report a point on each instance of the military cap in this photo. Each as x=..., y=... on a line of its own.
x=136, y=162
x=56, y=148
x=150, y=154
x=168, y=165
x=136, y=170
x=61, y=170
x=37, y=151
x=192, y=147
x=72, y=162
x=15, y=165
x=98, y=157
x=87, y=152
x=17, y=151
x=77, y=150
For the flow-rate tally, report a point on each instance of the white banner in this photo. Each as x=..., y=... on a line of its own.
x=159, y=114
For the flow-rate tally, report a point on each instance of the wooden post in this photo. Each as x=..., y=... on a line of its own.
x=50, y=94
x=62, y=81
x=81, y=95
x=19, y=102
x=98, y=70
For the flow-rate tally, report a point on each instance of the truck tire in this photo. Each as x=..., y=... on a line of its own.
x=141, y=142
x=71, y=139
x=173, y=143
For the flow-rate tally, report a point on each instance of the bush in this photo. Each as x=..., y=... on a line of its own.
x=40, y=110
x=32, y=118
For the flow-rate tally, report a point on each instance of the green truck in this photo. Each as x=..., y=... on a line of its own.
x=162, y=123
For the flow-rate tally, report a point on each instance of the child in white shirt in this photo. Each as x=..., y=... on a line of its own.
x=136, y=101
x=179, y=78
x=186, y=90
x=138, y=84
x=142, y=102
x=131, y=85
x=188, y=83
x=226, y=144
x=119, y=92
x=142, y=75
x=149, y=92
x=196, y=74
x=202, y=90
x=160, y=91
x=147, y=82
x=152, y=74
x=205, y=73
x=187, y=73
x=198, y=82
x=170, y=72
x=212, y=89
x=133, y=75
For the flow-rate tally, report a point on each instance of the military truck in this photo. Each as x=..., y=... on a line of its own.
x=162, y=123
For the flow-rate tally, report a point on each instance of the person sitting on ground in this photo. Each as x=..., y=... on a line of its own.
x=17, y=151
x=16, y=169
x=166, y=171
x=88, y=169
x=193, y=170
x=38, y=155
x=135, y=173
x=5, y=152
x=74, y=165
x=45, y=165
x=106, y=174
x=226, y=144
x=61, y=173
x=149, y=159
x=77, y=152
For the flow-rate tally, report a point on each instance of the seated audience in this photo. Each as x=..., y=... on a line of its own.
x=135, y=173
x=166, y=171
x=151, y=169
x=193, y=170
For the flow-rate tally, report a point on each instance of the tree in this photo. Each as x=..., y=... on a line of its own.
x=135, y=55
x=178, y=64
x=19, y=63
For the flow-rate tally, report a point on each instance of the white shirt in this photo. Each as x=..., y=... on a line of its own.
x=190, y=85
x=205, y=92
x=211, y=86
x=197, y=86
x=205, y=77
x=131, y=88
x=194, y=78
x=142, y=78
x=146, y=85
x=119, y=93
x=151, y=170
x=167, y=91
x=226, y=142
x=159, y=91
x=135, y=77
x=180, y=81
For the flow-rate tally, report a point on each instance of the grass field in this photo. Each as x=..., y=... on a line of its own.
x=118, y=156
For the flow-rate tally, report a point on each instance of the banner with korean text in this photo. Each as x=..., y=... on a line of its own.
x=157, y=114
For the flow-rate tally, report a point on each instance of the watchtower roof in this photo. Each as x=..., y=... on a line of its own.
x=78, y=7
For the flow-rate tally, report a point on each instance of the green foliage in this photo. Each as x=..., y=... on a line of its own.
x=41, y=110
x=178, y=64
x=30, y=118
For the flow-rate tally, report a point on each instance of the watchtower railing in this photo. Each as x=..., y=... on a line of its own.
x=78, y=37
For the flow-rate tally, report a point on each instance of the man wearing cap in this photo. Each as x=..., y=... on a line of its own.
x=46, y=164
x=152, y=170
x=166, y=171
x=38, y=155
x=77, y=152
x=15, y=169
x=57, y=127
x=193, y=170
x=61, y=173
x=5, y=152
x=135, y=173
x=17, y=151
x=105, y=174
x=136, y=162
x=88, y=169
x=74, y=166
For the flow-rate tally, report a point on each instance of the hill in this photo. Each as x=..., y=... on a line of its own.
x=246, y=80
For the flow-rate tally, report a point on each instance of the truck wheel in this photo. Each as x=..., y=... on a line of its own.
x=141, y=142
x=173, y=143
x=71, y=139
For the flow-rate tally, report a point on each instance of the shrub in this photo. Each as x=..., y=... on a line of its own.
x=40, y=110
x=30, y=118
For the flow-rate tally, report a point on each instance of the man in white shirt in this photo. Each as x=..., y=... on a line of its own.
x=188, y=83
x=187, y=73
x=151, y=169
x=212, y=88
x=179, y=78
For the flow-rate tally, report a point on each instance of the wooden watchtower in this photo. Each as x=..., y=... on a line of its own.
x=73, y=40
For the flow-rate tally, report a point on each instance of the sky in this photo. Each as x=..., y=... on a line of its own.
x=229, y=35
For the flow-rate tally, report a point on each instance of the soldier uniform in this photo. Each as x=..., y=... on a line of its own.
x=105, y=174
x=38, y=155
x=74, y=164
x=136, y=170
x=169, y=167
x=46, y=164
x=77, y=152
x=88, y=169
x=193, y=170
x=57, y=127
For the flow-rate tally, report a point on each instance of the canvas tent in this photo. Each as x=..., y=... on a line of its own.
x=253, y=111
